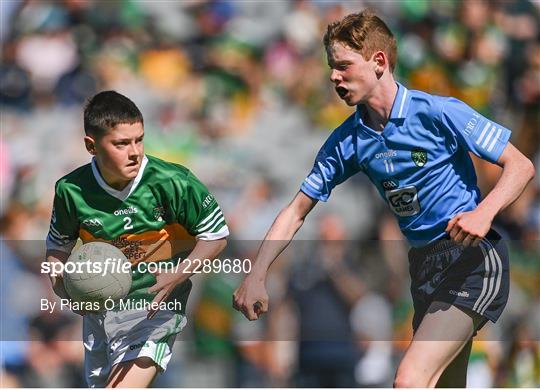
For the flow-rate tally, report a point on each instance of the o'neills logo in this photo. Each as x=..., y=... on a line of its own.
x=388, y=154
x=129, y=210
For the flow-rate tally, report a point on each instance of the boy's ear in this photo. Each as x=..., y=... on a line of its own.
x=90, y=144
x=381, y=62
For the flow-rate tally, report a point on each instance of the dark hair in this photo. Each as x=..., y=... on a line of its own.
x=365, y=33
x=106, y=110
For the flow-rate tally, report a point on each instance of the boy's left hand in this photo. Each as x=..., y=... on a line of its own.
x=165, y=283
x=469, y=228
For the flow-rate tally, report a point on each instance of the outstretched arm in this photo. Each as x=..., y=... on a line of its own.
x=253, y=290
x=471, y=227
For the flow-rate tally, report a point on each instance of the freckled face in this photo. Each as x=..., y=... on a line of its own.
x=354, y=78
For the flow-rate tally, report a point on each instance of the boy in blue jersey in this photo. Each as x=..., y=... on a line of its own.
x=414, y=147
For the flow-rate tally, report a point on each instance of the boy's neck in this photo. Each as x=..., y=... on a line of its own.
x=118, y=185
x=379, y=105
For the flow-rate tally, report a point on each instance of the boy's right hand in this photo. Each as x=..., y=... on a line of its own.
x=251, y=298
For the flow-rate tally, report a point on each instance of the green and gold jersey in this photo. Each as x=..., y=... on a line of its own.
x=157, y=216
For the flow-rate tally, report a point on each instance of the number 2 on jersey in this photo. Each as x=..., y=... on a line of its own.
x=128, y=225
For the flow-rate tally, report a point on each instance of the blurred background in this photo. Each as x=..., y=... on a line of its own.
x=239, y=92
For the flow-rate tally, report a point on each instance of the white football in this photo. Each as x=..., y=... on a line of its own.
x=98, y=271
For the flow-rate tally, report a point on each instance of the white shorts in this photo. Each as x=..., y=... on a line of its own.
x=112, y=337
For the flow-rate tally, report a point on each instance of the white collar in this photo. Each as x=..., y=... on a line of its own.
x=123, y=194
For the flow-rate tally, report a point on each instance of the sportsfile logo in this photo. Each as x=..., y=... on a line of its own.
x=129, y=210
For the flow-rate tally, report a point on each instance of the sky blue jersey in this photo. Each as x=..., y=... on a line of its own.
x=419, y=163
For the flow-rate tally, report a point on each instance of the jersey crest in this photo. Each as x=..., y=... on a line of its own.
x=419, y=157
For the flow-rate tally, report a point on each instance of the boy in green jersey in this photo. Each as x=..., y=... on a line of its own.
x=147, y=207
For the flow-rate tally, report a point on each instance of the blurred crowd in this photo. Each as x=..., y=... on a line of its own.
x=239, y=92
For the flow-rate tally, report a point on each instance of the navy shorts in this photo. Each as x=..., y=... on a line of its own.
x=475, y=278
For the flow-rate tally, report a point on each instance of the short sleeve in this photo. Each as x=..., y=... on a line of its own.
x=64, y=227
x=335, y=163
x=485, y=138
x=202, y=216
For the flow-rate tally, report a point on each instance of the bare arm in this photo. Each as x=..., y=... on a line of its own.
x=252, y=290
x=518, y=171
x=282, y=231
